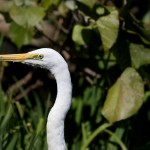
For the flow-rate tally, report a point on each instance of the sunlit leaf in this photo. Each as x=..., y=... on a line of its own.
x=24, y=2
x=23, y=36
x=27, y=16
x=108, y=27
x=77, y=35
x=18, y=2
x=139, y=55
x=146, y=30
x=81, y=34
x=36, y=14
x=100, y=10
x=30, y=2
x=125, y=97
x=18, y=15
x=70, y=4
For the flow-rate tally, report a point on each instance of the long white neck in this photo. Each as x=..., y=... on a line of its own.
x=55, y=122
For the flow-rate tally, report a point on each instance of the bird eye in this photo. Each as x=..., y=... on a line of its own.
x=40, y=56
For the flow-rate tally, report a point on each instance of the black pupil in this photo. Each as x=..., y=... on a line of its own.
x=40, y=56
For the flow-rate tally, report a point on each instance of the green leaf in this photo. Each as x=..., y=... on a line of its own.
x=125, y=97
x=108, y=27
x=91, y=138
x=5, y=111
x=18, y=15
x=47, y=3
x=6, y=117
x=139, y=55
x=19, y=35
x=81, y=34
x=146, y=18
x=36, y=14
x=40, y=126
x=71, y=5
x=20, y=110
x=100, y=10
x=25, y=2
x=18, y=2
x=27, y=16
x=117, y=140
x=12, y=144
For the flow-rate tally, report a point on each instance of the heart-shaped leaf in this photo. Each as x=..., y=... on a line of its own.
x=81, y=34
x=125, y=97
x=27, y=16
x=139, y=55
x=108, y=27
x=23, y=36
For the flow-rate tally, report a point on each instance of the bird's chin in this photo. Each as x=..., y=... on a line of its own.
x=28, y=62
x=34, y=63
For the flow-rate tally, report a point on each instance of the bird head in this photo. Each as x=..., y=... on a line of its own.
x=45, y=57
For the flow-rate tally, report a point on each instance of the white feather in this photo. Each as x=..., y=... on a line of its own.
x=55, y=63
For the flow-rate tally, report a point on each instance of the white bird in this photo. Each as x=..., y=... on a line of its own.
x=54, y=62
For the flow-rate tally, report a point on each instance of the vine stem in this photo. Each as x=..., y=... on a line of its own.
x=123, y=147
x=94, y=134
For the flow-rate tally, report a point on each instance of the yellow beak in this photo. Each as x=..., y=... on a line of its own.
x=16, y=57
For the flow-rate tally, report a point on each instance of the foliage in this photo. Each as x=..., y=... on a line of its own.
x=18, y=132
x=107, y=46
x=127, y=91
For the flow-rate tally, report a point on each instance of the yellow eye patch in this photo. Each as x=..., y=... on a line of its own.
x=38, y=56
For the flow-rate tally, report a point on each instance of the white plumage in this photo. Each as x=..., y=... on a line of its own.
x=54, y=62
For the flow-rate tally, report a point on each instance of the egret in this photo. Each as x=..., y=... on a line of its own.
x=50, y=59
